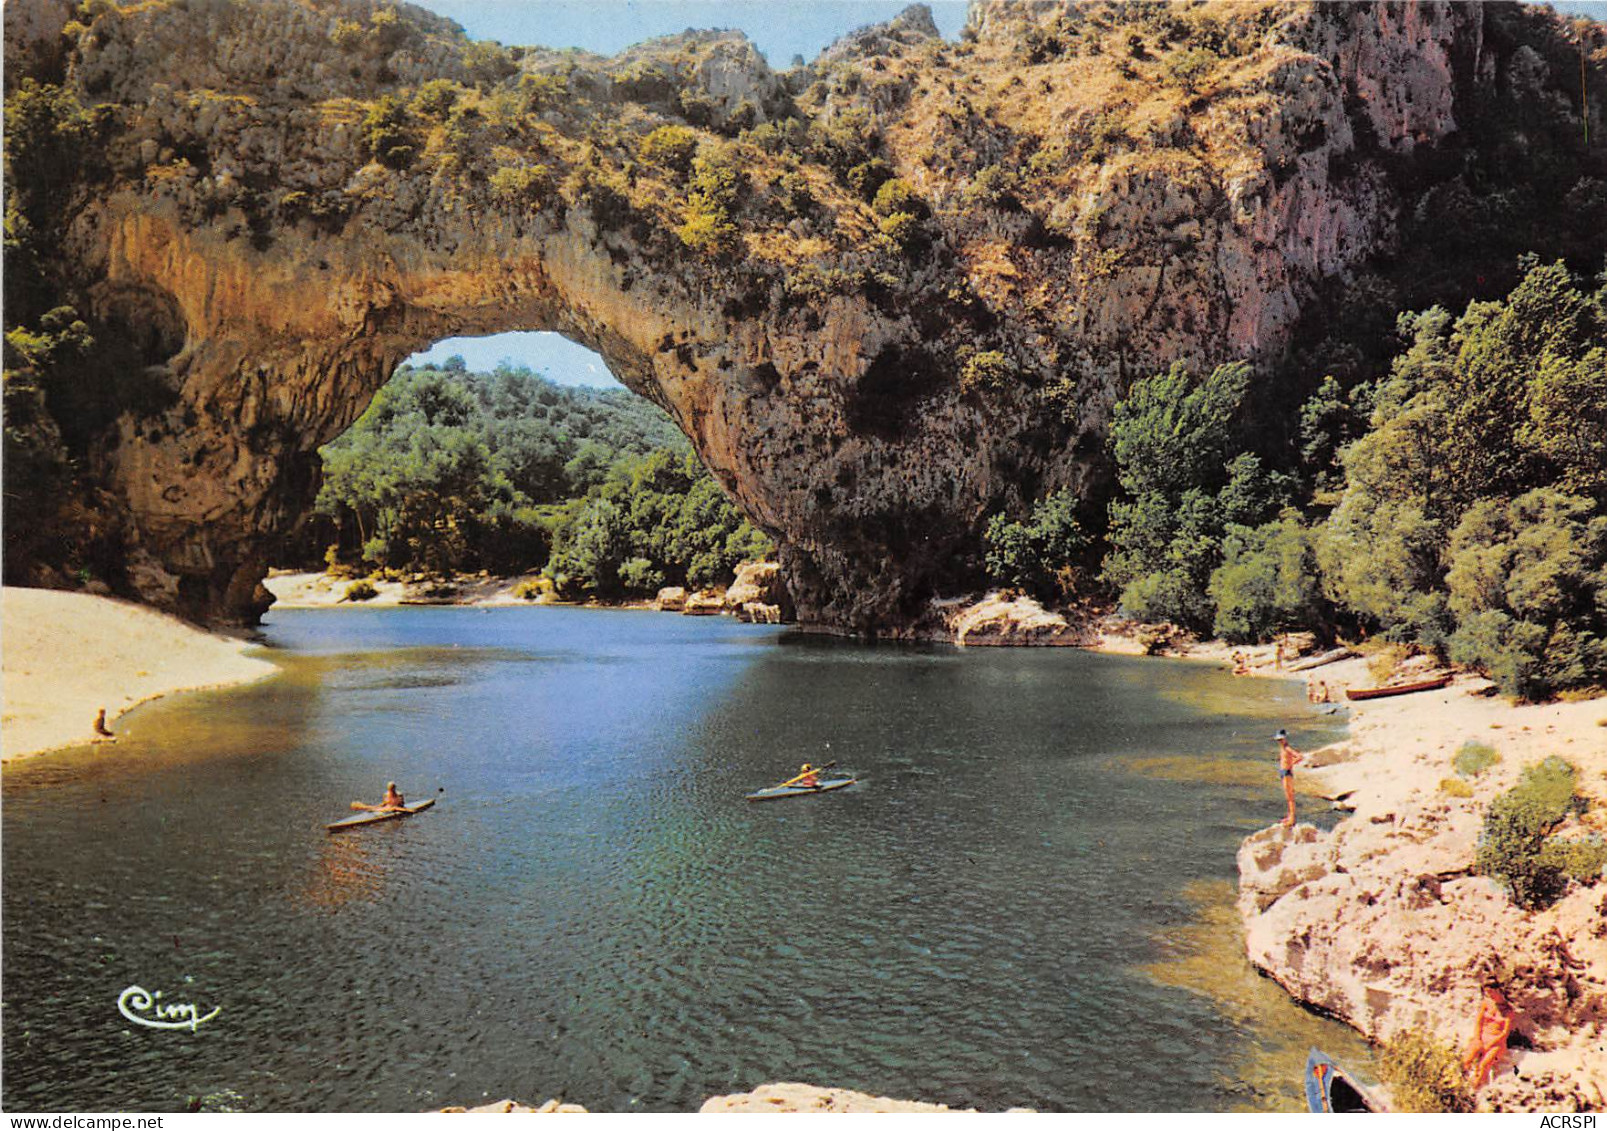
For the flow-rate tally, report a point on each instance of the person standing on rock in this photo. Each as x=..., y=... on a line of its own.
x=1288, y=759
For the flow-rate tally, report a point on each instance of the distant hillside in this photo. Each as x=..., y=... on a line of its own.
x=509, y=471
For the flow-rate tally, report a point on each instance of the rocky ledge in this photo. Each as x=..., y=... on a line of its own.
x=1383, y=924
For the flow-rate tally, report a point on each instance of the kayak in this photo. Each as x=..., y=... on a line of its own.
x=1330, y=1090
x=1399, y=689
x=777, y=792
x=369, y=818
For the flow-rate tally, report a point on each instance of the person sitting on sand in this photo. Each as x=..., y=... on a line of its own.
x=808, y=777
x=1241, y=664
x=102, y=732
x=1490, y=1034
x=1288, y=759
x=1322, y=692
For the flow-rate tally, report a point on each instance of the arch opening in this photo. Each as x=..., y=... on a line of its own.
x=538, y=473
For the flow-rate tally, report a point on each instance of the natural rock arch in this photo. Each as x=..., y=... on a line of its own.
x=274, y=253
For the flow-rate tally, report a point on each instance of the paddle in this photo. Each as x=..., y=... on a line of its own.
x=803, y=775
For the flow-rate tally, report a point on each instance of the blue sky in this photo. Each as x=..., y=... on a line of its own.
x=552, y=354
x=779, y=28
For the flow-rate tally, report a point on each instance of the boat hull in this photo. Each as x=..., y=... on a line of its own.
x=782, y=792
x=1403, y=689
x=1330, y=1090
x=358, y=820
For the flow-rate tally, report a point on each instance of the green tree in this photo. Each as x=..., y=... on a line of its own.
x=1041, y=554
x=1267, y=582
x=1174, y=439
x=1528, y=588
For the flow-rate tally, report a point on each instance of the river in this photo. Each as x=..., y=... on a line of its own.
x=1023, y=902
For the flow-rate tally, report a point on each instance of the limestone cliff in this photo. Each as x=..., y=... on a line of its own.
x=273, y=202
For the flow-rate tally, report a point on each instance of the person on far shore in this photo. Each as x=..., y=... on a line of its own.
x=1277, y=657
x=1288, y=759
x=1490, y=1034
x=1241, y=664
x=102, y=731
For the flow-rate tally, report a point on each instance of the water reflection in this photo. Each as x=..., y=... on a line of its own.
x=591, y=910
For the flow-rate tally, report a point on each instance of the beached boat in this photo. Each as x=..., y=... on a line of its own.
x=357, y=820
x=1400, y=689
x=778, y=792
x=1331, y=1090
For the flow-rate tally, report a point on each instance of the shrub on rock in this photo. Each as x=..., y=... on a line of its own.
x=1425, y=1075
x=1516, y=849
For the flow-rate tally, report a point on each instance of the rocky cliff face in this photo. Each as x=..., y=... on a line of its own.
x=285, y=201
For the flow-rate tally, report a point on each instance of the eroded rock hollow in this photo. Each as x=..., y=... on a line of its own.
x=285, y=199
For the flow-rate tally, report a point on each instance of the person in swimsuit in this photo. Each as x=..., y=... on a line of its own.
x=393, y=800
x=1288, y=759
x=1490, y=1034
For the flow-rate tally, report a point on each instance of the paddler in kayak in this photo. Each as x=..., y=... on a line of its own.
x=808, y=777
x=392, y=801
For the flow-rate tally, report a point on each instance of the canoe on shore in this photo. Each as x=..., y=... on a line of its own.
x=778, y=792
x=357, y=820
x=1332, y=1091
x=1401, y=689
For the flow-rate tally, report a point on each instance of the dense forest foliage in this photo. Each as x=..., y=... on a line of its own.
x=1457, y=503
x=507, y=471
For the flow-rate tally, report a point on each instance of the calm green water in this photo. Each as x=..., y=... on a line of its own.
x=1021, y=904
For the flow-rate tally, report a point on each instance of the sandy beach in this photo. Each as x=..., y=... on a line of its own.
x=316, y=590
x=1382, y=923
x=66, y=655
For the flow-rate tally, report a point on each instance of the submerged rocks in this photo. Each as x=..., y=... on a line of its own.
x=809, y=1098
x=514, y=1107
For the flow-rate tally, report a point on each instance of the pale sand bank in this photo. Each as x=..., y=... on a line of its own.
x=63, y=656
x=320, y=591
